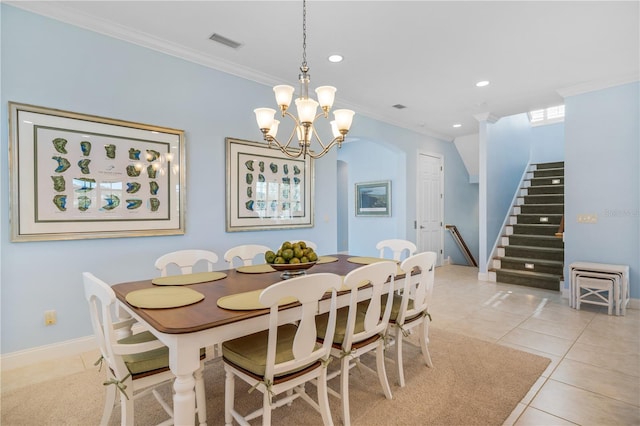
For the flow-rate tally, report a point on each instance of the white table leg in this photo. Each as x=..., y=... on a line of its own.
x=184, y=400
x=184, y=360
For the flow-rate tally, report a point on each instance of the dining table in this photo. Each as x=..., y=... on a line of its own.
x=187, y=329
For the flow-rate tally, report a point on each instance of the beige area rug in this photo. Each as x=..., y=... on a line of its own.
x=472, y=383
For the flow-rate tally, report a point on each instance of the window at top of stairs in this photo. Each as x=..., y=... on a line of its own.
x=545, y=116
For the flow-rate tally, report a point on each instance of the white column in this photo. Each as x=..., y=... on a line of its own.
x=484, y=120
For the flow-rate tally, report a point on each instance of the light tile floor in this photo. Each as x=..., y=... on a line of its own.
x=594, y=375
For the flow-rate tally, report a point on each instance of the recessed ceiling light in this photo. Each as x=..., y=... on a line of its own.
x=335, y=58
x=457, y=125
x=482, y=83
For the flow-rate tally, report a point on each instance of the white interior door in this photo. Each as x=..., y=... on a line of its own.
x=430, y=204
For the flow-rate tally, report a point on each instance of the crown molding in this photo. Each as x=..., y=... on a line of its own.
x=486, y=116
x=59, y=12
x=592, y=86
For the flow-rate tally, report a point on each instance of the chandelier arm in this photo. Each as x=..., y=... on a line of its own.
x=285, y=148
x=336, y=141
x=288, y=153
x=315, y=135
x=275, y=141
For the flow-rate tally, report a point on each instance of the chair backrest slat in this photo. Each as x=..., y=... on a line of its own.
x=308, y=290
x=397, y=248
x=185, y=260
x=375, y=321
x=246, y=253
x=419, y=286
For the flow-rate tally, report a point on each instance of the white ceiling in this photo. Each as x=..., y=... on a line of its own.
x=426, y=55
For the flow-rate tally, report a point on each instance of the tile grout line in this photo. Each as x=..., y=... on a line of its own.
x=528, y=405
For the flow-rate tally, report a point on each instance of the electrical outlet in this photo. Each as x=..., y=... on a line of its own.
x=50, y=317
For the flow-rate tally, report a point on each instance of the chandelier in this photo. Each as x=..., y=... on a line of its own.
x=304, y=124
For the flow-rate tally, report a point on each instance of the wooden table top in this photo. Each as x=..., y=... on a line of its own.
x=206, y=313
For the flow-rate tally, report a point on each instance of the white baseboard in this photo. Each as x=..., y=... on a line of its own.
x=483, y=276
x=75, y=347
x=31, y=356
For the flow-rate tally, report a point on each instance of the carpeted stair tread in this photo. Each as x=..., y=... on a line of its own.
x=545, y=189
x=534, y=253
x=534, y=228
x=529, y=279
x=534, y=218
x=548, y=172
x=556, y=208
x=546, y=180
x=535, y=240
x=551, y=165
x=532, y=265
x=530, y=274
x=527, y=259
x=543, y=199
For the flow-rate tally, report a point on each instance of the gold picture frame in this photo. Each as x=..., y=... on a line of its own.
x=78, y=176
x=266, y=189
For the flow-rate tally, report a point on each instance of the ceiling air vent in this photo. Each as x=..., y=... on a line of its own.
x=226, y=41
x=399, y=106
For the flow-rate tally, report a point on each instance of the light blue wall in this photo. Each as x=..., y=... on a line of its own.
x=548, y=143
x=370, y=161
x=383, y=148
x=601, y=178
x=508, y=147
x=51, y=64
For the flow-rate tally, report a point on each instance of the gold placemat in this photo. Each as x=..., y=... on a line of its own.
x=163, y=297
x=186, y=279
x=255, y=269
x=326, y=259
x=248, y=301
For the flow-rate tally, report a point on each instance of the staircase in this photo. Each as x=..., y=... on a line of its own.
x=529, y=252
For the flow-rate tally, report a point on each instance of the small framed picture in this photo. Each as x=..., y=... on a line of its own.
x=373, y=198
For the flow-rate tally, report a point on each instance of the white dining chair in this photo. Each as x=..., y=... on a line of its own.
x=135, y=365
x=286, y=356
x=360, y=327
x=410, y=306
x=185, y=261
x=397, y=247
x=246, y=253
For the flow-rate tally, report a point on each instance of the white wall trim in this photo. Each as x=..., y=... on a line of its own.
x=66, y=349
x=483, y=276
x=592, y=86
x=39, y=354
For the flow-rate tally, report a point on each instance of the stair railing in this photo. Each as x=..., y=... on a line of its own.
x=560, y=231
x=463, y=246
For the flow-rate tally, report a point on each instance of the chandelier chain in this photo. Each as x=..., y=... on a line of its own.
x=304, y=34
